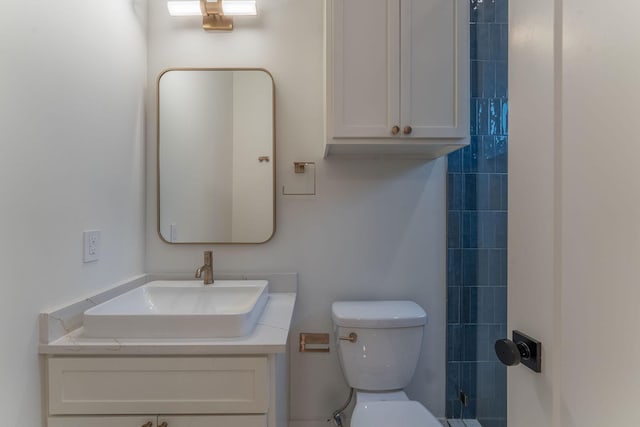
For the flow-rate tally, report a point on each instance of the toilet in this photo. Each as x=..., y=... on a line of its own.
x=379, y=344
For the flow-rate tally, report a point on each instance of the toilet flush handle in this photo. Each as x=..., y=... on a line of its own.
x=353, y=337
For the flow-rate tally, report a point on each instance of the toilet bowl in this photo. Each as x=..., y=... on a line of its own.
x=390, y=409
x=379, y=345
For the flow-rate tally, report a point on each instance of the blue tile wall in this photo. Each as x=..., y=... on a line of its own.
x=477, y=229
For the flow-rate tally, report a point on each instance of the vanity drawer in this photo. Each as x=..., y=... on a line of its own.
x=158, y=385
x=172, y=421
x=214, y=420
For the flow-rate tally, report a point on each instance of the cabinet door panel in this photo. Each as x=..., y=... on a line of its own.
x=214, y=421
x=435, y=55
x=365, y=70
x=97, y=421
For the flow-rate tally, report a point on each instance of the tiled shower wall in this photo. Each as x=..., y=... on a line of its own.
x=477, y=230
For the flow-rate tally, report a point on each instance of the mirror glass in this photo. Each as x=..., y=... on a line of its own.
x=216, y=156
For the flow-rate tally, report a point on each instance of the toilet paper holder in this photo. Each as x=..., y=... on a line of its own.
x=314, y=342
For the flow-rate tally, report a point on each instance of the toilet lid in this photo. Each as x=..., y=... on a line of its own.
x=405, y=413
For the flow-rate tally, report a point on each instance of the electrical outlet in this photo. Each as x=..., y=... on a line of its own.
x=91, y=245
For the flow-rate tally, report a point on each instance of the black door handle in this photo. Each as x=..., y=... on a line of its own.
x=522, y=349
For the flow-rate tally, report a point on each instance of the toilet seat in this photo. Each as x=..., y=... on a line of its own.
x=392, y=413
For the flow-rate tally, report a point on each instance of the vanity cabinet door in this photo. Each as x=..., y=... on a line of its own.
x=114, y=421
x=214, y=421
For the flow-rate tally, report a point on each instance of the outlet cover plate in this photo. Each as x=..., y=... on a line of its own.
x=91, y=245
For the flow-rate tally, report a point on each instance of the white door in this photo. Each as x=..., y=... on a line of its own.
x=574, y=210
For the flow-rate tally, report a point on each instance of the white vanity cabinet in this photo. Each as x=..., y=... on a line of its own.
x=168, y=382
x=199, y=391
x=397, y=76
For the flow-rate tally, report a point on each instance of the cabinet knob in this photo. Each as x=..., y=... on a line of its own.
x=163, y=424
x=147, y=424
x=407, y=130
x=395, y=130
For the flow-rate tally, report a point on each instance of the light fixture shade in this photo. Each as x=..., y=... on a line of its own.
x=239, y=7
x=229, y=7
x=184, y=8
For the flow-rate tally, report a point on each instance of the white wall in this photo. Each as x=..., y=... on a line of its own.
x=72, y=85
x=376, y=228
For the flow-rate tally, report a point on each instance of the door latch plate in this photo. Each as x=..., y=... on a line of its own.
x=534, y=362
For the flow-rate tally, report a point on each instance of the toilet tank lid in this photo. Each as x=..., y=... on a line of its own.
x=377, y=314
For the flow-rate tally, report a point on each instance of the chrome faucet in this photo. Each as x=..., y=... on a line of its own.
x=207, y=268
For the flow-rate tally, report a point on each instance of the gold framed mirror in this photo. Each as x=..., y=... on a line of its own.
x=216, y=155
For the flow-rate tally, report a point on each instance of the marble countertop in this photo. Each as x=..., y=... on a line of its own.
x=269, y=336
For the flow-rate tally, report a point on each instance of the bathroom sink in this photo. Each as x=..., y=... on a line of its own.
x=180, y=309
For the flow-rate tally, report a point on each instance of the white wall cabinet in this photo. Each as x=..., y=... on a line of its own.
x=397, y=77
x=215, y=391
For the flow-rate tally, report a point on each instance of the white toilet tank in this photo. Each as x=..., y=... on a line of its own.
x=389, y=339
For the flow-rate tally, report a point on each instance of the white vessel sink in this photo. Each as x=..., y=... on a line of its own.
x=180, y=309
